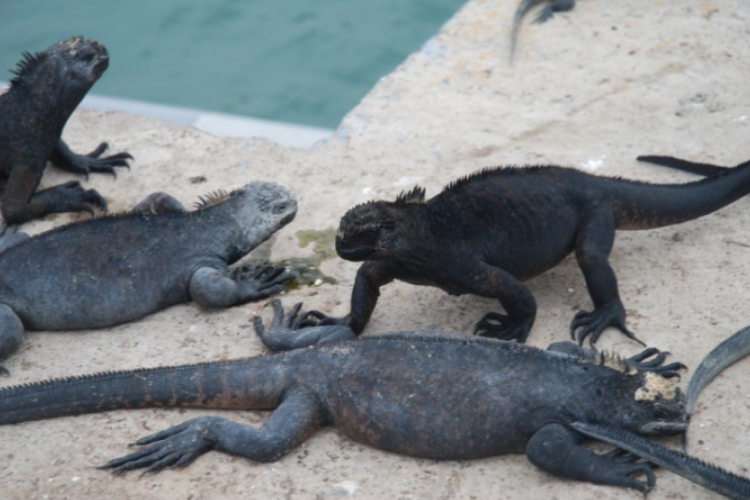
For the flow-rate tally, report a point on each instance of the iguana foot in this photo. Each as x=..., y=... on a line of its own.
x=158, y=203
x=71, y=197
x=317, y=318
x=84, y=164
x=500, y=326
x=655, y=364
x=546, y=13
x=592, y=324
x=262, y=281
x=626, y=464
x=174, y=447
x=286, y=332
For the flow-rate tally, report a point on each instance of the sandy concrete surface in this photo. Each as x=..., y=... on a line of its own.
x=592, y=89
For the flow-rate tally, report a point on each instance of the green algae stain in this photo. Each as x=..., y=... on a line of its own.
x=305, y=270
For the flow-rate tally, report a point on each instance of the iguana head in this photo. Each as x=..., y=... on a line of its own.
x=638, y=399
x=377, y=229
x=259, y=208
x=64, y=72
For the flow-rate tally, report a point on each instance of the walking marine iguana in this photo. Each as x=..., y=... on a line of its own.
x=45, y=91
x=437, y=396
x=544, y=15
x=118, y=268
x=487, y=232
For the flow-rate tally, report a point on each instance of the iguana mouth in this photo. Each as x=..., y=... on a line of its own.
x=101, y=65
x=353, y=253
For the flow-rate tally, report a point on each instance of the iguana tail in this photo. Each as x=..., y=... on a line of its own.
x=710, y=476
x=523, y=8
x=640, y=205
x=253, y=383
x=704, y=169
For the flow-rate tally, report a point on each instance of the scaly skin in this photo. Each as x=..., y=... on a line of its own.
x=118, y=268
x=437, y=396
x=486, y=233
x=47, y=88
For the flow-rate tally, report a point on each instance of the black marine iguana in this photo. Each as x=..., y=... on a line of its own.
x=45, y=91
x=544, y=15
x=437, y=396
x=117, y=268
x=487, y=232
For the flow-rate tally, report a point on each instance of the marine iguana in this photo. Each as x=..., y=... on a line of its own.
x=487, y=232
x=437, y=396
x=45, y=91
x=118, y=268
x=544, y=15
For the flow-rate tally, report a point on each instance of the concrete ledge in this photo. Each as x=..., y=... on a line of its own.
x=222, y=124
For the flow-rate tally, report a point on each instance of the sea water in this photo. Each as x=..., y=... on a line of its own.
x=297, y=61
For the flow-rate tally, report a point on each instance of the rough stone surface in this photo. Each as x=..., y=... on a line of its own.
x=593, y=89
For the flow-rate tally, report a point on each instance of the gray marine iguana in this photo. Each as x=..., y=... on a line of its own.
x=438, y=396
x=45, y=91
x=544, y=15
x=487, y=232
x=118, y=268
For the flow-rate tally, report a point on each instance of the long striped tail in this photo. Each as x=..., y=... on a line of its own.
x=252, y=383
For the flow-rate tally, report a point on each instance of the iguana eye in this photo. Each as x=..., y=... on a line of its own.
x=280, y=208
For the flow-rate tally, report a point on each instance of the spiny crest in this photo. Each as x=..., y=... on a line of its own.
x=416, y=195
x=212, y=199
x=607, y=360
x=41, y=384
x=26, y=66
x=482, y=174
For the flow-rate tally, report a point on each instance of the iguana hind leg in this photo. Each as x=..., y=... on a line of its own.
x=556, y=449
x=593, y=245
x=298, y=417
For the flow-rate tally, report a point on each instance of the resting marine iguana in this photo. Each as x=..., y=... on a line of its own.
x=437, y=396
x=544, y=15
x=487, y=232
x=45, y=91
x=118, y=268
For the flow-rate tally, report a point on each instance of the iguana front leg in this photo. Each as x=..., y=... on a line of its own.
x=63, y=157
x=298, y=416
x=370, y=277
x=556, y=449
x=20, y=203
x=314, y=327
x=217, y=288
x=516, y=299
x=593, y=245
x=285, y=333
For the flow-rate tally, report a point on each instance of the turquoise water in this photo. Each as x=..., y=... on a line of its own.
x=299, y=61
